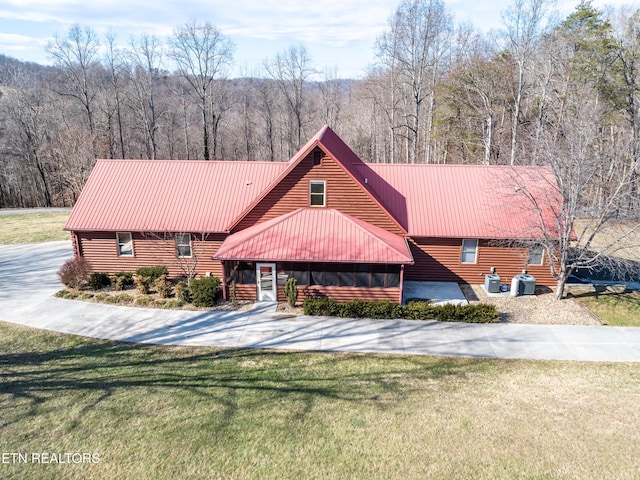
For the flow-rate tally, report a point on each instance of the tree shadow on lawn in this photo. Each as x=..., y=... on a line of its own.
x=90, y=372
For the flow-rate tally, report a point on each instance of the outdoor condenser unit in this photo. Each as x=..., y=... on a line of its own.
x=492, y=283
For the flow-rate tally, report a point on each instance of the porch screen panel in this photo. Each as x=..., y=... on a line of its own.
x=331, y=275
x=393, y=276
x=378, y=273
x=346, y=275
x=362, y=275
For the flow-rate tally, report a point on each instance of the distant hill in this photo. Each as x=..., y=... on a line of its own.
x=9, y=65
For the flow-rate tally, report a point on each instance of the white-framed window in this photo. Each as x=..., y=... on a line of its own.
x=317, y=193
x=536, y=255
x=183, y=245
x=469, y=250
x=125, y=244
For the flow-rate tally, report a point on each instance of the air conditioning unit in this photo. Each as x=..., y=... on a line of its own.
x=492, y=283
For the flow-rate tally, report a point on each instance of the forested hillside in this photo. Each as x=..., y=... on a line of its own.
x=561, y=92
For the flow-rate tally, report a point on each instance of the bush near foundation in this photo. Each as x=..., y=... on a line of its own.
x=122, y=280
x=153, y=272
x=204, y=291
x=74, y=272
x=162, y=285
x=472, y=313
x=98, y=280
x=183, y=293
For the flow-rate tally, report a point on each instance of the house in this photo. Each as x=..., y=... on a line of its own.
x=344, y=229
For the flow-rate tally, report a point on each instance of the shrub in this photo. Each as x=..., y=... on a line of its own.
x=163, y=286
x=420, y=310
x=122, y=280
x=68, y=294
x=143, y=283
x=321, y=307
x=173, y=304
x=183, y=293
x=101, y=297
x=123, y=299
x=473, y=313
x=74, y=272
x=99, y=280
x=152, y=272
x=480, y=313
x=142, y=301
x=291, y=291
x=204, y=291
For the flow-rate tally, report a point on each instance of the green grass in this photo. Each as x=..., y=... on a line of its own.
x=33, y=227
x=178, y=412
x=616, y=309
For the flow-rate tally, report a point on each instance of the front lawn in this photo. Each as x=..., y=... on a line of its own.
x=616, y=309
x=177, y=412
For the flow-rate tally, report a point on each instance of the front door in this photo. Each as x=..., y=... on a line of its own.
x=267, y=285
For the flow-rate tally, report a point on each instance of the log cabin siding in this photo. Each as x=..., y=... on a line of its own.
x=100, y=249
x=249, y=292
x=246, y=291
x=345, y=294
x=439, y=259
x=342, y=193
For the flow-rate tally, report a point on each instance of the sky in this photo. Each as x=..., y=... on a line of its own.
x=338, y=34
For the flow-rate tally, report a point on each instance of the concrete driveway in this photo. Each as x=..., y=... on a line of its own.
x=28, y=280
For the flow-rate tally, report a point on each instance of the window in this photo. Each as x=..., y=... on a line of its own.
x=469, y=251
x=125, y=244
x=183, y=244
x=317, y=193
x=536, y=255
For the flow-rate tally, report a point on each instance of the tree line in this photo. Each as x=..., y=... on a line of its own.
x=541, y=91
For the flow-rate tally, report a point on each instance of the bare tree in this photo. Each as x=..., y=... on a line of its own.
x=201, y=53
x=115, y=69
x=145, y=60
x=524, y=23
x=77, y=58
x=417, y=43
x=584, y=198
x=627, y=66
x=291, y=70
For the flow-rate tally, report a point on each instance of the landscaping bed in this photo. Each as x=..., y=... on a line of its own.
x=540, y=308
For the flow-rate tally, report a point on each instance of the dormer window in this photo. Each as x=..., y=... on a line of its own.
x=317, y=189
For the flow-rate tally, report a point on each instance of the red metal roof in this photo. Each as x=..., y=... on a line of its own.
x=168, y=195
x=316, y=235
x=468, y=201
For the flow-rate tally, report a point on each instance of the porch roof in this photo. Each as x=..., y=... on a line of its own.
x=316, y=235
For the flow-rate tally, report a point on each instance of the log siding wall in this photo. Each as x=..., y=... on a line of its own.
x=439, y=259
x=342, y=193
x=100, y=249
x=248, y=292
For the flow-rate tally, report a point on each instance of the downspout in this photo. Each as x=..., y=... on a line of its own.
x=401, y=283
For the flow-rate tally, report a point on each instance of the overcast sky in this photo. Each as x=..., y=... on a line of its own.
x=337, y=33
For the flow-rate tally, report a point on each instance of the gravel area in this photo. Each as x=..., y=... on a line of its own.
x=540, y=308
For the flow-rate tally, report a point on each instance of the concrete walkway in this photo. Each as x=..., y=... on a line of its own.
x=28, y=281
